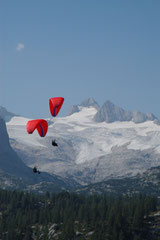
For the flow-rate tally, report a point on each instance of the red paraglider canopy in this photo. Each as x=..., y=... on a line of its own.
x=40, y=124
x=55, y=105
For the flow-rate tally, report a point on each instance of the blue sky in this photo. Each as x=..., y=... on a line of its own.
x=105, y=49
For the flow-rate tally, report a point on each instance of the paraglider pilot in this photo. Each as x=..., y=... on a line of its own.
x=35, y=170
x=54, y=143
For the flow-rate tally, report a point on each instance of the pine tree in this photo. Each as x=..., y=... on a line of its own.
x=28, y=234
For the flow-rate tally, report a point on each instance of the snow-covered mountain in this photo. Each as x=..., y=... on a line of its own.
x=91, y=150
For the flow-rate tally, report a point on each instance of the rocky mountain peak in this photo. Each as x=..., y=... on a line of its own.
x=90, y=102
x=5, y=114
x=109, y=112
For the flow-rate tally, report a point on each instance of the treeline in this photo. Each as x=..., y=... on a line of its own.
x=25, y=216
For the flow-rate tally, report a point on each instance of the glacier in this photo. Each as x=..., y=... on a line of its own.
x=88, y=151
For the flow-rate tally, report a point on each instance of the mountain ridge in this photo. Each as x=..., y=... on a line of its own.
x=110, y=112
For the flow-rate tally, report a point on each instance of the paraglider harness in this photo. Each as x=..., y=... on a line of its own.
x=35, y=170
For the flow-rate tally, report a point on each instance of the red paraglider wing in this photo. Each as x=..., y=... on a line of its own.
x=55, y=105
x=40, y=124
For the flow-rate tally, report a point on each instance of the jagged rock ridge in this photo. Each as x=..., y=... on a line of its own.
x=90, y=102
x=111, y=113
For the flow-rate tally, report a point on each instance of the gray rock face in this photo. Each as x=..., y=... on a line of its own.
x=138, y=117
x=4, y=114
x=90, y=102
x=4, y=140
x=151, y=116
x=111, y=113
x=73, y=109
x=9, y=160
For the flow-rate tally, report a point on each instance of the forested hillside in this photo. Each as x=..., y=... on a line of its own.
x=66, y=216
